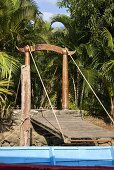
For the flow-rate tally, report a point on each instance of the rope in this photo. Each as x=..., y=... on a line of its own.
x=91, y=89
x=47, y=96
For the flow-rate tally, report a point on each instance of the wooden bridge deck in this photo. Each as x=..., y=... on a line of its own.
x=73, y=126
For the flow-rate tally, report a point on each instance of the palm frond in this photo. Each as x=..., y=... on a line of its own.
x=108, y=70
x=5, y=91
x=91, y=76
x=5, y=83
x=8, y=6
x=109, y=38
x=90, y=49
x=7, y=64
x=107, y=66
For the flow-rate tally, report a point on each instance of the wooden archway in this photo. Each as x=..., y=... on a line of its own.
x=59, y=50
x=26, y=86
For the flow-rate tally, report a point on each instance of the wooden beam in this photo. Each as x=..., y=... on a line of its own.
x=90, y=140
x=43, y=47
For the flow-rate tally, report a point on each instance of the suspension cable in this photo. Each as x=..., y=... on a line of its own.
x=47, y=96
x=91, y=88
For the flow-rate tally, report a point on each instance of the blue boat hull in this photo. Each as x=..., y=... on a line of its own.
x=58, y=156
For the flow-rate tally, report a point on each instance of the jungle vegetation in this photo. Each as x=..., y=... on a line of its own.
x=88, y=30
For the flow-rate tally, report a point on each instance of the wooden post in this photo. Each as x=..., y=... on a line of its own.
x=65, y=83
x=25, y=100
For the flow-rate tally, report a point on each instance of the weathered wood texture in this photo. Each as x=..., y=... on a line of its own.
x=25, y=106
x=40, y=47
x=65, y=82
x=72, y=125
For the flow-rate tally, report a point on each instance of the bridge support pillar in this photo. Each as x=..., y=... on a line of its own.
x=25, y=101
x=65, y=82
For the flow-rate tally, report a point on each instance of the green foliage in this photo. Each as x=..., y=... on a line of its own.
x=72, y=106
x=107, y=35
x=89, y=31
x=14, y=16
x=7, y=64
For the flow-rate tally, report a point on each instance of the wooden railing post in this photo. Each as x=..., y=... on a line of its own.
x=25, y=100
x=65, y=82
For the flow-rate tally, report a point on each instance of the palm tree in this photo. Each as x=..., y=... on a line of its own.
x=108, y=74
x=87, y=30
x=14, y=16
x=13, y=22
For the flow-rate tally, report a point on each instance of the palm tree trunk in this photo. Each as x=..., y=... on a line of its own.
x=78, y=88
x=74, y=86
x=82, y=95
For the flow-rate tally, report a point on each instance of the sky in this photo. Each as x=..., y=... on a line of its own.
x=49, y=8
